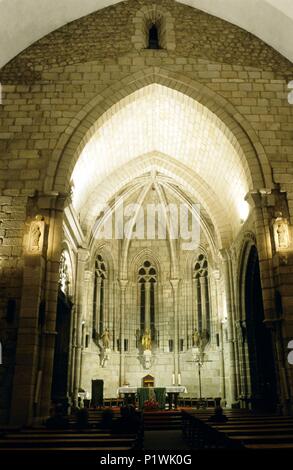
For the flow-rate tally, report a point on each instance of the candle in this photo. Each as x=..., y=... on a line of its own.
x=179, y=379
x=173, y=379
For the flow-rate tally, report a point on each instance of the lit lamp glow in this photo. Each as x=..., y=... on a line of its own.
x=243, y=208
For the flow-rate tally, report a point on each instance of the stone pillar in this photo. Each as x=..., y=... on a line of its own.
x=275, y=272
x=203, y=295
x=86, y=304
x=98, y=282
x=90, y=301
x=222, y=364
x=26, y=368
x=72, y=353
x=147, y=306
x=195, y=323
x=106, y=304
x=123, y=285
x=230, y=319
x=175, y=285
x=80, y=299
x=56, y=204
x=31, y=394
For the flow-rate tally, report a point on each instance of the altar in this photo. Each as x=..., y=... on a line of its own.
x=138, y=395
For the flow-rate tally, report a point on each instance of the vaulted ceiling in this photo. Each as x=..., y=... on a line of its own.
x=160, y=130
x=24, y=22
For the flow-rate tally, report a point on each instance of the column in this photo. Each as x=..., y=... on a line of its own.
x=90, y=301
x=275, y=272
x=31, y=392
x=106, y=303
x=98, y=282
x=80, y=300
x=195, y=323
x=202, y=281
x=175, y=285
x=123, y=285
x=233, y=390
x=26, y=361
x=147, y=306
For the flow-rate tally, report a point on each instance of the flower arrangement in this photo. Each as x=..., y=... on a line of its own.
x=151, y=405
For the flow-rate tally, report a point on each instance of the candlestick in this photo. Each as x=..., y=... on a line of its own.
x=173, y=379
x=179, y=379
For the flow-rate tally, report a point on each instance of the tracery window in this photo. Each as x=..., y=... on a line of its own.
x=147, y=278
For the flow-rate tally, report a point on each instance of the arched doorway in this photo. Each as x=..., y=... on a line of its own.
x=259, y=341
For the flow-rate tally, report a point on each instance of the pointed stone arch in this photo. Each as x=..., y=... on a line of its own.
x=98, y=110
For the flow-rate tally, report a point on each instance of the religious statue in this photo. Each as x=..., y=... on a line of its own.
x=281, y=233
x=35, y=240
x=146, y=341
x=106, y=339
x=104, y=344
x=36, y=235
x=196, y=339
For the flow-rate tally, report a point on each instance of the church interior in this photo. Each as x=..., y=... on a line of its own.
x=146, y=204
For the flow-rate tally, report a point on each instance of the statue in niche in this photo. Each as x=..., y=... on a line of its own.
x=281, y=233
x=106, y=339
x=200, y=340
x=146, y=341
x=196, y=339
x=35, y=240
x=36, y=235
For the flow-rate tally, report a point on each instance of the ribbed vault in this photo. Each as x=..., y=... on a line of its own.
x=162, y=129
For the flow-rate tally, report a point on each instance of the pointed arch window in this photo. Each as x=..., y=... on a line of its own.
x=99, y=297
x=147, y=279
x=202, y=294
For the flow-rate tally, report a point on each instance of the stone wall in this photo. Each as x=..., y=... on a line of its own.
x=55, y=90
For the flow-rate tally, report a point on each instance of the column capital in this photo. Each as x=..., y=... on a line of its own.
x=258, y=198
x=50, y=200
x=83, y=254
x=88, y=275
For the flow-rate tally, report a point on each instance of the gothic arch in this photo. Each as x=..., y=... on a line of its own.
x=103, y=250
x=189, y=179
x=248, y=242
x=96, y=111
x=191, y=260
x=135, y=262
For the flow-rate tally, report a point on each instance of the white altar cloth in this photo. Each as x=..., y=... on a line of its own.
x=169, y=389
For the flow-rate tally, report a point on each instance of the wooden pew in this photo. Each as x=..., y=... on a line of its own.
x=241, y=430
